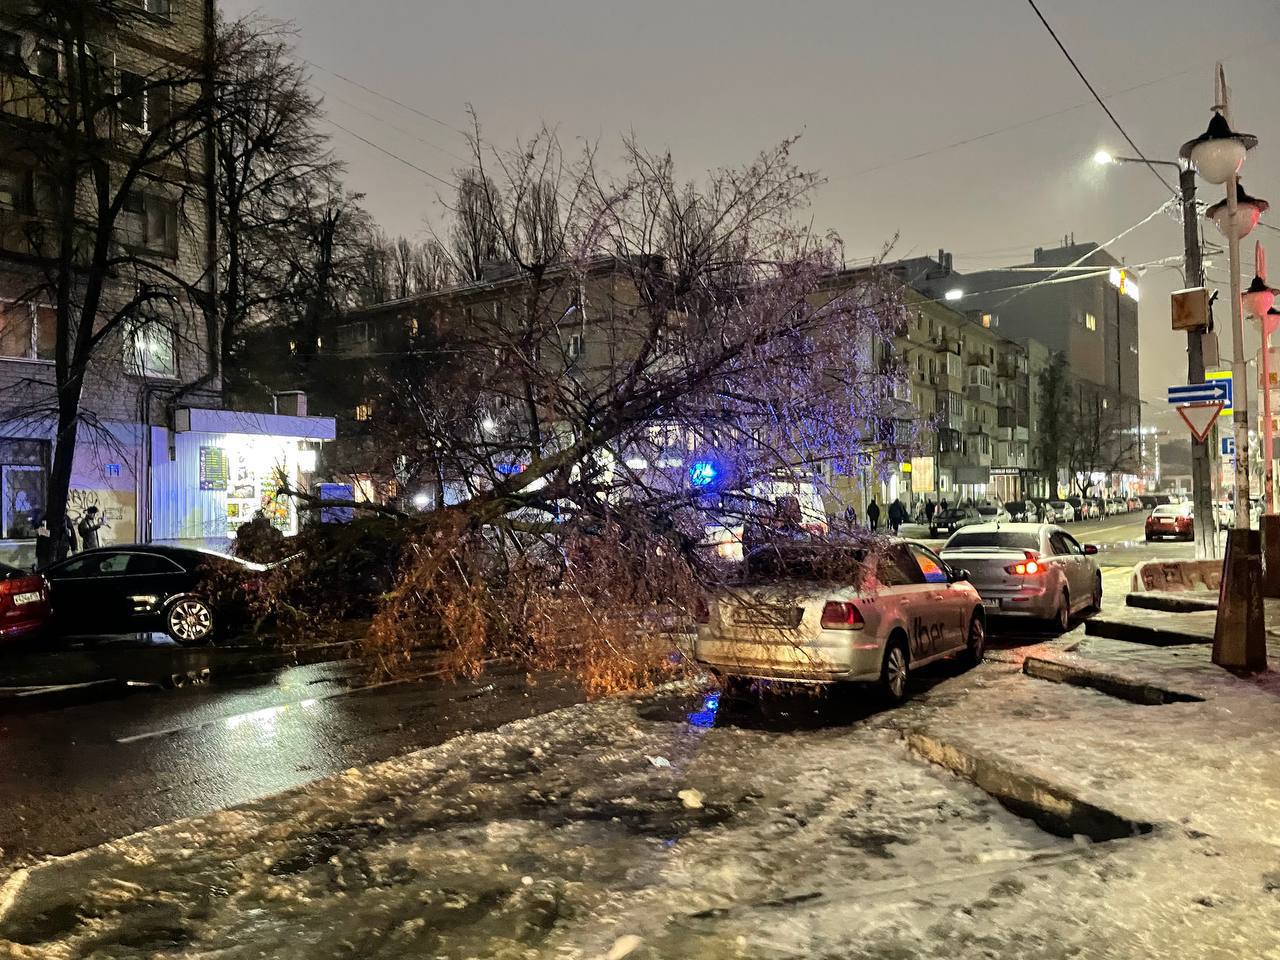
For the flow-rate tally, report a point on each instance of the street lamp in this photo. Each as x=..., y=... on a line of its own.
x=954, y=294
x=1193, y=271
x=1239, y=638
x=1258, y=300
x=1218, y=153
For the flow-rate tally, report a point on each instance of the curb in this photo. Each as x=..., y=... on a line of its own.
x=1104, y=681
x=1171, y=602
x=1053, y=808
x=1110, y=629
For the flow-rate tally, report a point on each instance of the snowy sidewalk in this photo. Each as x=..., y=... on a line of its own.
x=627, y=827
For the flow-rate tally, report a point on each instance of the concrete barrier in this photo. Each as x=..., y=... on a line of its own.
x=1176, y=576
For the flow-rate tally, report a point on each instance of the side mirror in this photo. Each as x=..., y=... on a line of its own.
x=959, y=576
x=1090, y=549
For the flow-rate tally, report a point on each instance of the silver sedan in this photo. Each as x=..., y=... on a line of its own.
x=1028, y=570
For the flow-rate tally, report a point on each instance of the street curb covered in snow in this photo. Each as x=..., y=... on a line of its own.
x=1149, y=630
x=1079, y=672
x=1053, y=807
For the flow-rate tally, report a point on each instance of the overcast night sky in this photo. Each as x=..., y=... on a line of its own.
x=866, y=84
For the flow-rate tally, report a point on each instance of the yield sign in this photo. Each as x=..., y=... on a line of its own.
x=1200, y=417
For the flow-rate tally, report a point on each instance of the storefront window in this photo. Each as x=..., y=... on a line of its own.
x=23, y=474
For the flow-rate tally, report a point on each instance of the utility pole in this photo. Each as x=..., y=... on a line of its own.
x=1206, y=523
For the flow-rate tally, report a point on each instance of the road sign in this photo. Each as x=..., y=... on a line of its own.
x=1228, y=446
x=1200, y=417
x=1224, y=376
x=1211, y=391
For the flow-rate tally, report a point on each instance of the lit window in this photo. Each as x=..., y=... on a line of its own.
x=293, y=346
x=151, y=351
x=575, y=346
x=1090, y=322
x=986, y=320
x=364, y=411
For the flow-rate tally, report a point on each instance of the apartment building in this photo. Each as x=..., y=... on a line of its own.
x=154, y=451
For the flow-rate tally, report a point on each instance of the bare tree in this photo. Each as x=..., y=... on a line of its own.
x=121, y=156
x=661, y=357
x=1099, y=440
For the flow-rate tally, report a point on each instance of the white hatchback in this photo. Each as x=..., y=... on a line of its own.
x=818, y=613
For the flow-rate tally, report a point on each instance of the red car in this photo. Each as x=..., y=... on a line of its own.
x=24, y=602
x=1171, y=521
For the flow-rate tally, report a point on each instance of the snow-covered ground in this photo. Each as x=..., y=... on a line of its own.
x=674, y=826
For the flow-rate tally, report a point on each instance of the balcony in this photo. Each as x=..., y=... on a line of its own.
x=945, y=381
x=946, y=345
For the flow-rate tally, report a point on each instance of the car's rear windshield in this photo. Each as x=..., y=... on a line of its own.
x=810, y=564
x=1168, y=510
x=1001, y=539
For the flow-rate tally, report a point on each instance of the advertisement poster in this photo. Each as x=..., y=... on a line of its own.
x=213, y=468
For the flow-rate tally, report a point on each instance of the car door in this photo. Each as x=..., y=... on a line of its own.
x=944, y=603
x=151, y=579
x=903, y=583
x=88, y=592
x=1081, y=570
x=1069, y=557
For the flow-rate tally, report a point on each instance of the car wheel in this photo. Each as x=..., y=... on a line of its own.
x=190, y=621
x=977, y=642
x=895, y=671
x=1096, y=603
x=1062, y=618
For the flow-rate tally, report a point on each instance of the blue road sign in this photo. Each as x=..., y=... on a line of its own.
x=1228, y=446
x=1212, y=391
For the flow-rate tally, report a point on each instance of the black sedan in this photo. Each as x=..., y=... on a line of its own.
x=187, y=593
x=951, y=520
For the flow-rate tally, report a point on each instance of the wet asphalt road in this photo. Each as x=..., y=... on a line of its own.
x=75, y=777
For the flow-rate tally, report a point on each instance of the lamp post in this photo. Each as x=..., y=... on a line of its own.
x=1206, y=522
x=1239, y=639
x=1257, y=303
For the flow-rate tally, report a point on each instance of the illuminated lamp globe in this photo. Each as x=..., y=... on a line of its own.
x=1248, y=211
x=1258, y=298
x=1218, y=152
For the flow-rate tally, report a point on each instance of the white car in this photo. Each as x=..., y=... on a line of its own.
x=1226, y=511
x=822, y=613
x=1116, y=507
x=994, y=513
x=1035, y=570
x=1059, y=511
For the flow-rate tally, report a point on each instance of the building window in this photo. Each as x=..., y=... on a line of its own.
x=364, y=411
x=23, y=470
x=132, y=106
x=987, y=320
x=10, y=48
x=48, y=62
x=575, y=346
x=150, y=222
x=1090, y=322
x=151, y=351
x=27, y=332
x=14, y=191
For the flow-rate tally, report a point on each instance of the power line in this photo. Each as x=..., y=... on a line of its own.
x=399, y=129
x=394, y=156
x=387, y=97
x=1080, y=73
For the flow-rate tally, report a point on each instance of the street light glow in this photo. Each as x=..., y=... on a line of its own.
x=1102, y=158
x=954, y=294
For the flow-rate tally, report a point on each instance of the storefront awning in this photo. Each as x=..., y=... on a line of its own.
x=204, y=420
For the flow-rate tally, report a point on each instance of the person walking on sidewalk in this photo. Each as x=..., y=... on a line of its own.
x=89, y=527
x=897, y=515
x=873, y=515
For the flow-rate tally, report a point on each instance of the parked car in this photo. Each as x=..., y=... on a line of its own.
x=1092, y=509
x=1152, y=500
x=1226, y=511
x=192, y=595
x=1035, y=570
x=1171, y=521
x=818, y=613
x=993, y=513
x=1114, y=507
x=24, y=603
x=1021, y=511
x=1059, y=511
x=952, y=519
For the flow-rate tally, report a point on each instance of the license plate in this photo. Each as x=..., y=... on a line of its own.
x=1165, y=520
x=20, y=598
x=991, y=604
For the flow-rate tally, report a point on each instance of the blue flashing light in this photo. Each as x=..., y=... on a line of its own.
x=510, y=468
x=702, y=473
x=706, y=717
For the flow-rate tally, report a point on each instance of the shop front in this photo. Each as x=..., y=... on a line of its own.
x=218, y=468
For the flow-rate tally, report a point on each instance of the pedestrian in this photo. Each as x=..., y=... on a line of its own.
x=850, y=516
x=897, y=515
x=873, y=515
x=88, y=527
x=928, y=510
x=67, y=544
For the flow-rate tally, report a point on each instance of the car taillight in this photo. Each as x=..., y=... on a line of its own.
x=701, y=611
x=841, y=615
x=33, y=584
x=1027, y=567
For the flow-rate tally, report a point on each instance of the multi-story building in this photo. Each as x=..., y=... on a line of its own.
x=1075, y=300
x=153, y=450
